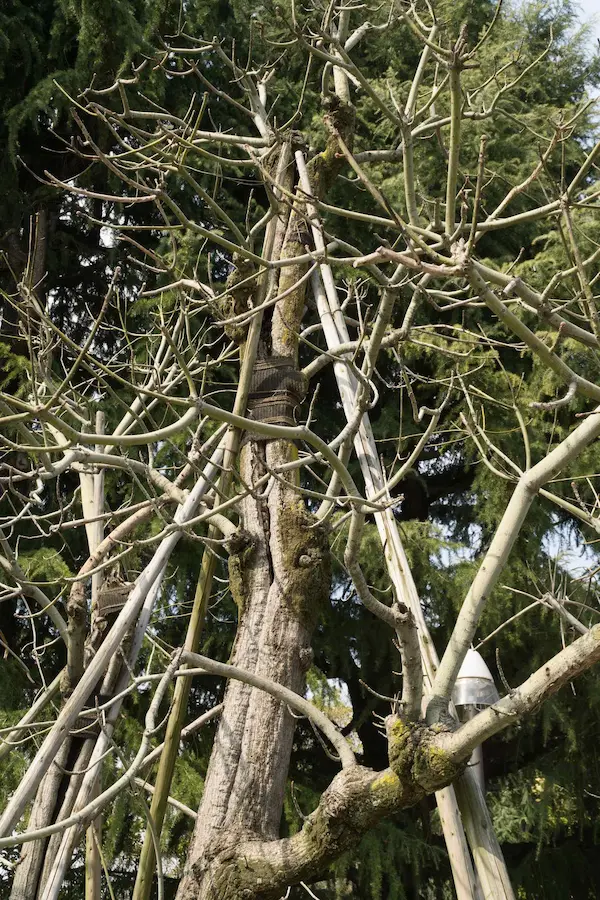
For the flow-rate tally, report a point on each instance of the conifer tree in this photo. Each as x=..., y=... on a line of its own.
x=423, y=193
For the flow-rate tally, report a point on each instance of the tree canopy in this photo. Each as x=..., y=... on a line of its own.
x=146, y=165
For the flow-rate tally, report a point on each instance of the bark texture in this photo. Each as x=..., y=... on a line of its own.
x=280, y=579
x=355, y=801
x=31, y=861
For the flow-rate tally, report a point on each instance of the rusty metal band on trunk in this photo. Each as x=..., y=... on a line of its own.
x=277, y=388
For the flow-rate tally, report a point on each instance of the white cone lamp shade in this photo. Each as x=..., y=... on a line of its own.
x=474, y=684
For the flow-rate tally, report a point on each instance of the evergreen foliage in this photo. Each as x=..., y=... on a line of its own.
x=544, y=775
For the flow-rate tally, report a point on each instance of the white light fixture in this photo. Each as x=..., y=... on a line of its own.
x=474, y=685
x=474, y=690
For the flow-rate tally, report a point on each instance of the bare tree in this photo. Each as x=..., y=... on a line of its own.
x=259, y=478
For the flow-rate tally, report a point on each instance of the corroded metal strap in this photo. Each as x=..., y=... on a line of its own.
x=276, y=374
x=86, y=725
x=112, y=597
x=277, y=388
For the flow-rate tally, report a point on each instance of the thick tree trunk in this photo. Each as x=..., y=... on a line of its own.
x=54, y=801
x=280, y=579
x=73, y=780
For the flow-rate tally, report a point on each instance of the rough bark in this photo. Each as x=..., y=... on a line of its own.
x=279, y=577
x=354, y=802
x=73, y=779
x=27, y=876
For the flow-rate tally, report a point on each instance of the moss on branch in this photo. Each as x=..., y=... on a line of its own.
x=354, y=802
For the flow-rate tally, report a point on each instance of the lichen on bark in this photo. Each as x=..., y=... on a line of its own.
x=416, y=759
x=322, y=170
x=325, y=166
x=354, y=802
x=241, y=548
x=305, y=550
x=238, y=299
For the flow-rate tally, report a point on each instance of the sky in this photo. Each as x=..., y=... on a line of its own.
x=590, y=9
x=590, y=12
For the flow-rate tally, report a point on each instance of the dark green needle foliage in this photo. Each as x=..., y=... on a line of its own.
x=543, y=777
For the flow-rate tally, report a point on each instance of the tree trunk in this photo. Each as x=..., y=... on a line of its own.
x=29, y=869
x=280, y=579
